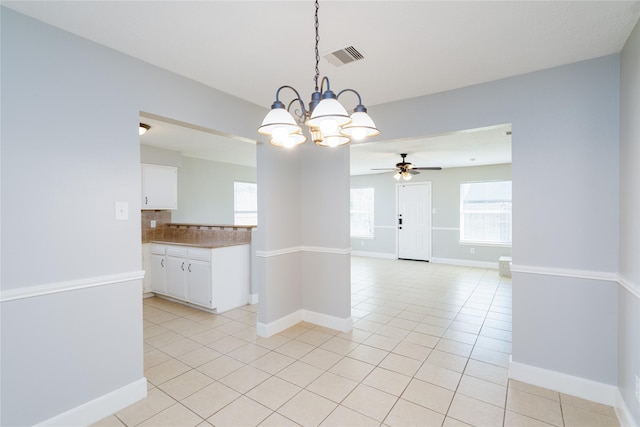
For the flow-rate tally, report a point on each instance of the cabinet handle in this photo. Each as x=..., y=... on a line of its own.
x=146, y=200
x=162, y=263
x=182, y=266
x=189, y=268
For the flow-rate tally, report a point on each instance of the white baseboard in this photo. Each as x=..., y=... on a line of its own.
x=268, y=329
x=465, y=262
x=253, y=299
x=374, y=254
x=331, y=322
x=622, y=411
x=594, y=391
x=97, y=409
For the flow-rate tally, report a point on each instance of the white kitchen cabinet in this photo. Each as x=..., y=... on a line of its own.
x=159, y=187
x=146, y=266
x=217, y=278
x=157, y=269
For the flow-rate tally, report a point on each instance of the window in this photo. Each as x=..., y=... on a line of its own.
x=245, y=203
x=362, y=212
x=485, y=212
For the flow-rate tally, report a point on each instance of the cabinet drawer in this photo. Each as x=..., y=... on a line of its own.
x=200, y=254
x=176, y=252
x=158, y=249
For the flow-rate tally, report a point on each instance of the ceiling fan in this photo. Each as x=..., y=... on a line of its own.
x=404, y=170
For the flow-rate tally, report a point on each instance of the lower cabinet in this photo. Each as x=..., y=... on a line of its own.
x=216, y=278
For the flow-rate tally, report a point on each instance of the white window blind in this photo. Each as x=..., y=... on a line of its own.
x=362, y=212
x=245, y=203
x=485, y=212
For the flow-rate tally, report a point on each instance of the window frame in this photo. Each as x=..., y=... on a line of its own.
x=477, y=242
x=246, y=212
x=370, y=212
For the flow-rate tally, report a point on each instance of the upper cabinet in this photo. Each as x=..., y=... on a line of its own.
x=159, y=187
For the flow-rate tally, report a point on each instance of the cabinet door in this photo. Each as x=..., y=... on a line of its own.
x=159, y=187
x=157, y=276
x=199, y=289
x=176, y=276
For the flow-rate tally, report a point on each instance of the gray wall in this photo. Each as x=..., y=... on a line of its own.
x=445, y=199
x=81, y=104
x=564, y=151
x=60, y=180
x=205, y=190
x=205, y=187
x=629, y=264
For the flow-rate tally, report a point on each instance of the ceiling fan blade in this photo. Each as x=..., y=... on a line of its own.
x=435, y=168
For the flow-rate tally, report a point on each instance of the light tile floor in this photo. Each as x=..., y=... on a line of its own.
x=430, y=347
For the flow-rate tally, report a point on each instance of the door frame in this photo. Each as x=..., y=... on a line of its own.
x=430, y=210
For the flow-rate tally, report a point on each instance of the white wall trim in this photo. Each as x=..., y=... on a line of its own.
x=71, y=285
x=268, y=329
x=622, y=411
x=296, y=249
x=634, y=288
x=465, y=262
x=331, y=322
x=374, y=254
x=564, y=272
x=564, y=383
x=97, y=409
x=253, y=299
x=319, y=249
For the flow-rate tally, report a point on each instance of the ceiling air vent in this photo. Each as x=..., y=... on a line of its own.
x=344, y=56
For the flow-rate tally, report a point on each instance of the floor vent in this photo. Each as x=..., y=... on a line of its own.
x=344, y=56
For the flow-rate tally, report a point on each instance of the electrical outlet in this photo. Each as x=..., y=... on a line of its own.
x=637, y=388
x=472, y=251
x=153, y=223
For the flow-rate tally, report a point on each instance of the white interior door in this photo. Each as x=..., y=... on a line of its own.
x=414, y=221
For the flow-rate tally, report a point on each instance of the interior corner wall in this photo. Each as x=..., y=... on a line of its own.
x=629, y=267
x=565, y=201
x=59, y=183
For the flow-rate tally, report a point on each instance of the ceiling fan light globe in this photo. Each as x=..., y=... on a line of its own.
x=397, y=176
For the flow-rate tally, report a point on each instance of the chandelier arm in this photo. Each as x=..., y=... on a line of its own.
x=297, y=98
x=325, y=79
x=353, y=91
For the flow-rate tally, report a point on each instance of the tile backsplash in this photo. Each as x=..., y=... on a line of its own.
x=191, y=233
x=162, y=218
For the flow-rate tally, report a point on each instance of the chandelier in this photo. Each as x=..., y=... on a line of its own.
x=328, y=122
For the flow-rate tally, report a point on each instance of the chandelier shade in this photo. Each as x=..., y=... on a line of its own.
x=327, y=120
x=361, y=126
x=278, y=120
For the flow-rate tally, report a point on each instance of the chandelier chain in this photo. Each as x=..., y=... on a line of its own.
x=317, y=26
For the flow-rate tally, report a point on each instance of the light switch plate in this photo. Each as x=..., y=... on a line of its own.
x=122, y=211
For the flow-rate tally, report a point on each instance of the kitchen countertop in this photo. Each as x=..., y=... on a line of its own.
x=208, y=244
